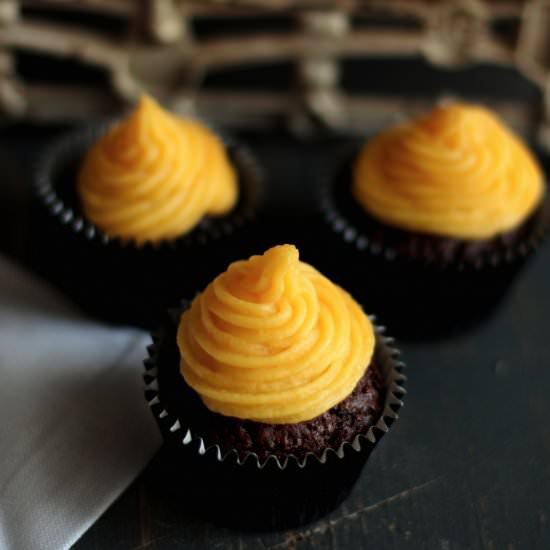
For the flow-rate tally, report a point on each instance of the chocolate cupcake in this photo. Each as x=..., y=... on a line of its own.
x=131, y=216
x=274, y=387
x=441, y=212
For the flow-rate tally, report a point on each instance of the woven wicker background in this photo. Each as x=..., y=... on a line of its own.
x=70, y=59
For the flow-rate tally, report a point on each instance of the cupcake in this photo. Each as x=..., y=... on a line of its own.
x=150, y=199
x=274, y=387
x=443, y=211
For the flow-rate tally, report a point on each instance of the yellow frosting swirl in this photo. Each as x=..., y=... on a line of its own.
x=154, y=176
x=273, y=340
x=458, y=172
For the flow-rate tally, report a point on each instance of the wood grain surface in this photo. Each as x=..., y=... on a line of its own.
x=467, y=466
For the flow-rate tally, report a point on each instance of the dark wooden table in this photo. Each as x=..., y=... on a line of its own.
x=467, y=466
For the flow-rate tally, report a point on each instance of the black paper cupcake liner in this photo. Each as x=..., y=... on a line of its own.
x=427, y=287
x=241, y=489
x=118, y=280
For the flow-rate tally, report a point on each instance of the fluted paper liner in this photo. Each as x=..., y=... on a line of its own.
x=278, y=491
x=392, y=371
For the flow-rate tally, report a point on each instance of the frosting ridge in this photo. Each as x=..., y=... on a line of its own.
x=273, y=340
x=456, y=172
x=153, y=176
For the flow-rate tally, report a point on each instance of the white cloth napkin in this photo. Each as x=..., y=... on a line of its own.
x=74, y=427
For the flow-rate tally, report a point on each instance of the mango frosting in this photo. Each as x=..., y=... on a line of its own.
x=457, y=172
x=154, y=176
x=274, y=341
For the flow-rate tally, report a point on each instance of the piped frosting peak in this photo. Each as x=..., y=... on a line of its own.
x=457, y=172
x=154, y=176
x=273, y=340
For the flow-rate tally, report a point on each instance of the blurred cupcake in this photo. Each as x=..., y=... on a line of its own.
x=151, y=198
x=275, y=387
x=443, y=210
